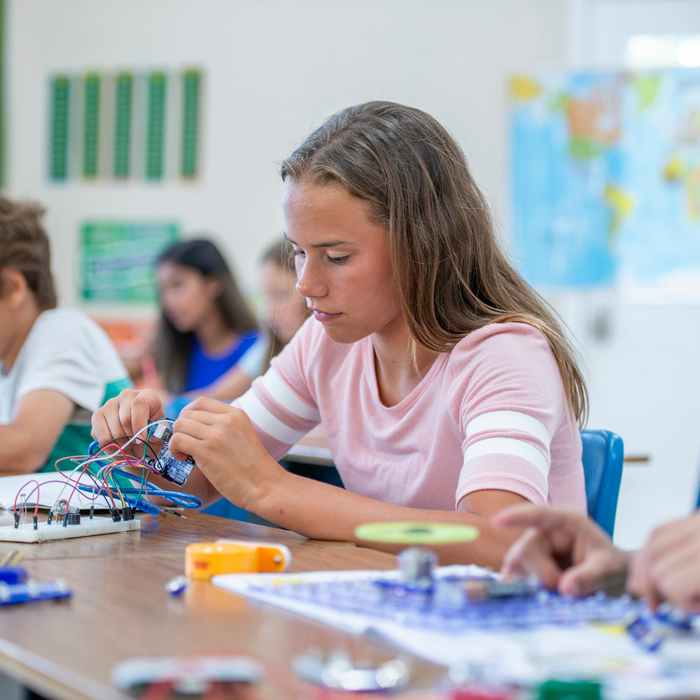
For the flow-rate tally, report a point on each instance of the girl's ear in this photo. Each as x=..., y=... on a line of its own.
x=13, y=287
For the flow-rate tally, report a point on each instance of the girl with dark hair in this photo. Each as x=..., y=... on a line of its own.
x=208, y=342
x=445, y=384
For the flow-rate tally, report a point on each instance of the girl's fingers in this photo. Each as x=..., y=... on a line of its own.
x=194, y=427
x=182, y=446
x=145, y=406
x=206, y=403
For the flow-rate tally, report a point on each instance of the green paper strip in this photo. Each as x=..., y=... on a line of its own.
x=60, y=102
x=122, y=125
x=155, y=134
x=191, y=81
x=91, y=125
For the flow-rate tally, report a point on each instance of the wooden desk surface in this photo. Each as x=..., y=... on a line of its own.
x=160, y=535
x=120, y=610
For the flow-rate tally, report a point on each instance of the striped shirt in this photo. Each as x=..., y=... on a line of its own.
x=492, y=414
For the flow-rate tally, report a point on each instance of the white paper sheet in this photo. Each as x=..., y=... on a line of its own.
x=51, y=488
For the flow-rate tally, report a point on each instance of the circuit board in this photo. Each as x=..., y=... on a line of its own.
x=468, y=618
x=452, y=602
x=45, y=532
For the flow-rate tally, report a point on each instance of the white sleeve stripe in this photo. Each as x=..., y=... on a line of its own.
x=280, y=392
x=509, y=420
x=507, y=446
x=261, y=417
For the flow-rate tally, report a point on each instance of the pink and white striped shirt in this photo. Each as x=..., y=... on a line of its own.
x=491, y=414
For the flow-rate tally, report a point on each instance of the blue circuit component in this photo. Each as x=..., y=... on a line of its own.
x=33, y=591
x=172, y=469
x=451, y=603
x=13, y=574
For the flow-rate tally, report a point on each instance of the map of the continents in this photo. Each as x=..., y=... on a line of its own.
x=606, y=177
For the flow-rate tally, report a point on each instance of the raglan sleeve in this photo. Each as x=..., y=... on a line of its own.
x=281, y=403
x=508, y=400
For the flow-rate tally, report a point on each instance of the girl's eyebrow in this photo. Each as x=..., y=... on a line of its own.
x=326, y=244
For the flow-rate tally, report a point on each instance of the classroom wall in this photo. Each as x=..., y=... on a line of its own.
x=274, y=69
x=640, y=350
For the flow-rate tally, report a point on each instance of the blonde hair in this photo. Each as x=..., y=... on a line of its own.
x=452, y=276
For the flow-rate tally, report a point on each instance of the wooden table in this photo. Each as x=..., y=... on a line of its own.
x=120, y=609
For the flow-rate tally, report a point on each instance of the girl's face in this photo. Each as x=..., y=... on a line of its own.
x=285, y=310
x=343, y=261
x=187, y=297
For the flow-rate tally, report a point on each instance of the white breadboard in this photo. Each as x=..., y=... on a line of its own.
x=97, y=526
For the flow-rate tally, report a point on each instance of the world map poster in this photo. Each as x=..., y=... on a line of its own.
x=606, y=178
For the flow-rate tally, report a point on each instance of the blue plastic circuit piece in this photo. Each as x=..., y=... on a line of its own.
x=32, y=591
x=13, y=574
x=450, y=605
x=172, y=469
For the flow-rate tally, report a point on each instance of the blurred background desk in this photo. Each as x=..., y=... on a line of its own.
x=120, y=609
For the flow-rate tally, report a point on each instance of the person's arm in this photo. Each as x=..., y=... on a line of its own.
x=566, y=550
x=232, y=461
x=25, y=444
x=223, y=442
x=668, y=567
x=228, y=387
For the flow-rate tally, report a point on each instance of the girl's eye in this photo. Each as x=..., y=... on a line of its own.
x=298, y=253
x=338, y=261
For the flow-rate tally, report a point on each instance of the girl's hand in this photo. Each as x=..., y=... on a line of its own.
x=566, y=550
x=222, y=441
x=668, y=567
x=126, y=415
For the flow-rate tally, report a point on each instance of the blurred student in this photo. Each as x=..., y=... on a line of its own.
x=208, y=342
x=58, y=366
x=568, y=552
x=284, y=309
x=446, y=387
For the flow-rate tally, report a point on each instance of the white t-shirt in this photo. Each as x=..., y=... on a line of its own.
x=68, y=352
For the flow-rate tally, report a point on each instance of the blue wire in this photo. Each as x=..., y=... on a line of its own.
x=184, y=500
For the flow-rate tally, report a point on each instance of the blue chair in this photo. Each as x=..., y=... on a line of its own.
x=603, y=454
x=225, y=509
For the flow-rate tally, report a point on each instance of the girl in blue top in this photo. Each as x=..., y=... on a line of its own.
x=208, y=341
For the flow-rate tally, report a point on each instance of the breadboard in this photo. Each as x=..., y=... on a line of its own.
x=56, y=531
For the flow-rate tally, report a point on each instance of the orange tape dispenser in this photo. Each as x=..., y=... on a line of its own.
x=206, y=559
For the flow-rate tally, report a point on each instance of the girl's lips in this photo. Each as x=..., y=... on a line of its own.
x=324, y=316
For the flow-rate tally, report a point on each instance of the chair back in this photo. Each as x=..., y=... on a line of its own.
x=603, y=454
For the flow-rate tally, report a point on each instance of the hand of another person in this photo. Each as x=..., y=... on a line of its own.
x=563, y=548
x=126, y=415
x=222, y=441
x=668, y=567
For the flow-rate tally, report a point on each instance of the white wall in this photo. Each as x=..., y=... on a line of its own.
x=274, y=69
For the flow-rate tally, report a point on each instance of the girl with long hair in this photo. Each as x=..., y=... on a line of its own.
x=445, y=384
x=208, y=342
